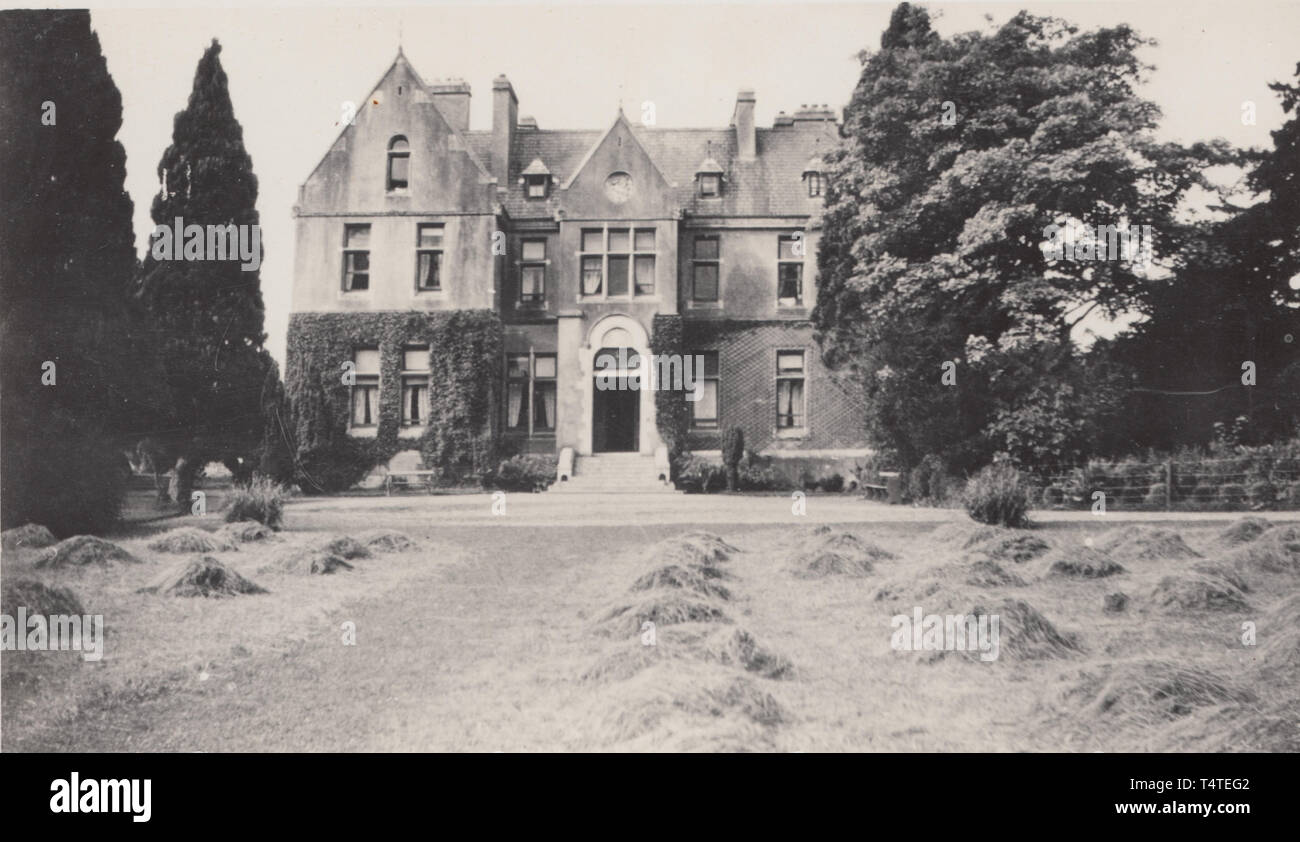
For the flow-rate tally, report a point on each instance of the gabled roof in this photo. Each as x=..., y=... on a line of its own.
x=771, y=184
x=620, y=120
x=536, y=168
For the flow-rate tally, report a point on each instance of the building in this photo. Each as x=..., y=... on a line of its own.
x=579, y=240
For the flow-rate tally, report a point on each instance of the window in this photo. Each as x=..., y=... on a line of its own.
x=537, y=186
x=643, y=262
x=710, y=185
x=428, y=257
x=415, y=387
x=365, y=388
x=544, y=392
x=814, y=184
x=704, y=280
x=399, y=163
x=704, y=411
x=618, y=262
x=356, y=258
x=789, y=268
x=789, y=390
x=530, y=393
x=532, y=272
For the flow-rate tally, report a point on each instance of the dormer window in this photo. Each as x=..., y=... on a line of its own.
x=399, y=163
x=536, y=179
x=709, y=178
x=812, y=176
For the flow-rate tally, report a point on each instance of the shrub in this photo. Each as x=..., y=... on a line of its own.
x=524, y=473
x=698, y=475
x=733, y=448
x=1053, y=495
x=998, y=495
x=928, y=481
x=262, y=500
x=757, y=474
x=1262, y=493
x=833, y=483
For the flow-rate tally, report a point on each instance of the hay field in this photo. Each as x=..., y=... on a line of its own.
x=765, y=638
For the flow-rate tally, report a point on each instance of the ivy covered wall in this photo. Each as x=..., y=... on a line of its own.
x=461, y=438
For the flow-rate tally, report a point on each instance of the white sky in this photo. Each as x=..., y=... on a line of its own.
x=291, y=67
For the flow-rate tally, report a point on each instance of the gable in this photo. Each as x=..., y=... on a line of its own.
x=648, y=194
x=444, y=174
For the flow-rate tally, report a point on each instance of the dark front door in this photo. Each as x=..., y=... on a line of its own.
x=615, y=418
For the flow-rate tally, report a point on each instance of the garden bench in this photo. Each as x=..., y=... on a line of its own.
x=405, y=479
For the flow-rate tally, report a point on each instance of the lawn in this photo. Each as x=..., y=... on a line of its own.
x=493, y=636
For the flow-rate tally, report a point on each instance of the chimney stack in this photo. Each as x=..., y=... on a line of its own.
x=505, y=119
x=743, y=121
x=452, y=99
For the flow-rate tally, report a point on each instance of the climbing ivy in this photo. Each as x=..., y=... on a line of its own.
x=672, y=412
x=461, y=438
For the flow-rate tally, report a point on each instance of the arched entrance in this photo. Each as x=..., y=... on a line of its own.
x=615, y=361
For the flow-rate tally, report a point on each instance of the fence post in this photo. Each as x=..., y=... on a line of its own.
x=1169, y=485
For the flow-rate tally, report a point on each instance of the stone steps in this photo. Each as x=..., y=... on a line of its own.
x=614, y=473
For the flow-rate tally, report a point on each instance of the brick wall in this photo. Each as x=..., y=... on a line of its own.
x=747, y=389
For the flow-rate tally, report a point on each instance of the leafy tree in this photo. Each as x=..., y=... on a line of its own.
x=1229, y=302
x=208, y=314
x=958, y=155
x=66, y=258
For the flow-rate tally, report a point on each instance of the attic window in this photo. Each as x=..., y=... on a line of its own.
x=814, y=180
x=536, y=178
x=708, y=175
x=399, y=163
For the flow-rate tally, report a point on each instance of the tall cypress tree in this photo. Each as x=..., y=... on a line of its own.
x=208, y=312
x=70, y=382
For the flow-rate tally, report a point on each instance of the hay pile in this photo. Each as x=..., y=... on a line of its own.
x=305, y=561
x=990, y=574
x=676, y=704
x=1276, y=550
x=37, y=598
x=1143, y=543
x=202, y=576
x=1229, y=574
x=1025, y=634
x=690, y=578
x=386, y=541
x=965, y=534
x=662, y=609
x=80, y=550
x=680, y=645
x=187, y=539
x=1243, y=531
x=1014, y=547
x=1279, y=644
x=247, y=531
x=27, y=536
x=1084, y=563
x=838, y=554
x=344, y=547
x=699, y=548
x=1195, y=591
x=1150, y=692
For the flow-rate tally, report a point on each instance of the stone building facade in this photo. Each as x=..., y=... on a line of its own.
x=578, y=239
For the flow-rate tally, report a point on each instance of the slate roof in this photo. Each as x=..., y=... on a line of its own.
x=770, y=185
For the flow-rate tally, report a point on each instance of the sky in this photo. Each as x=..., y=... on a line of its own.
x=291, y=67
